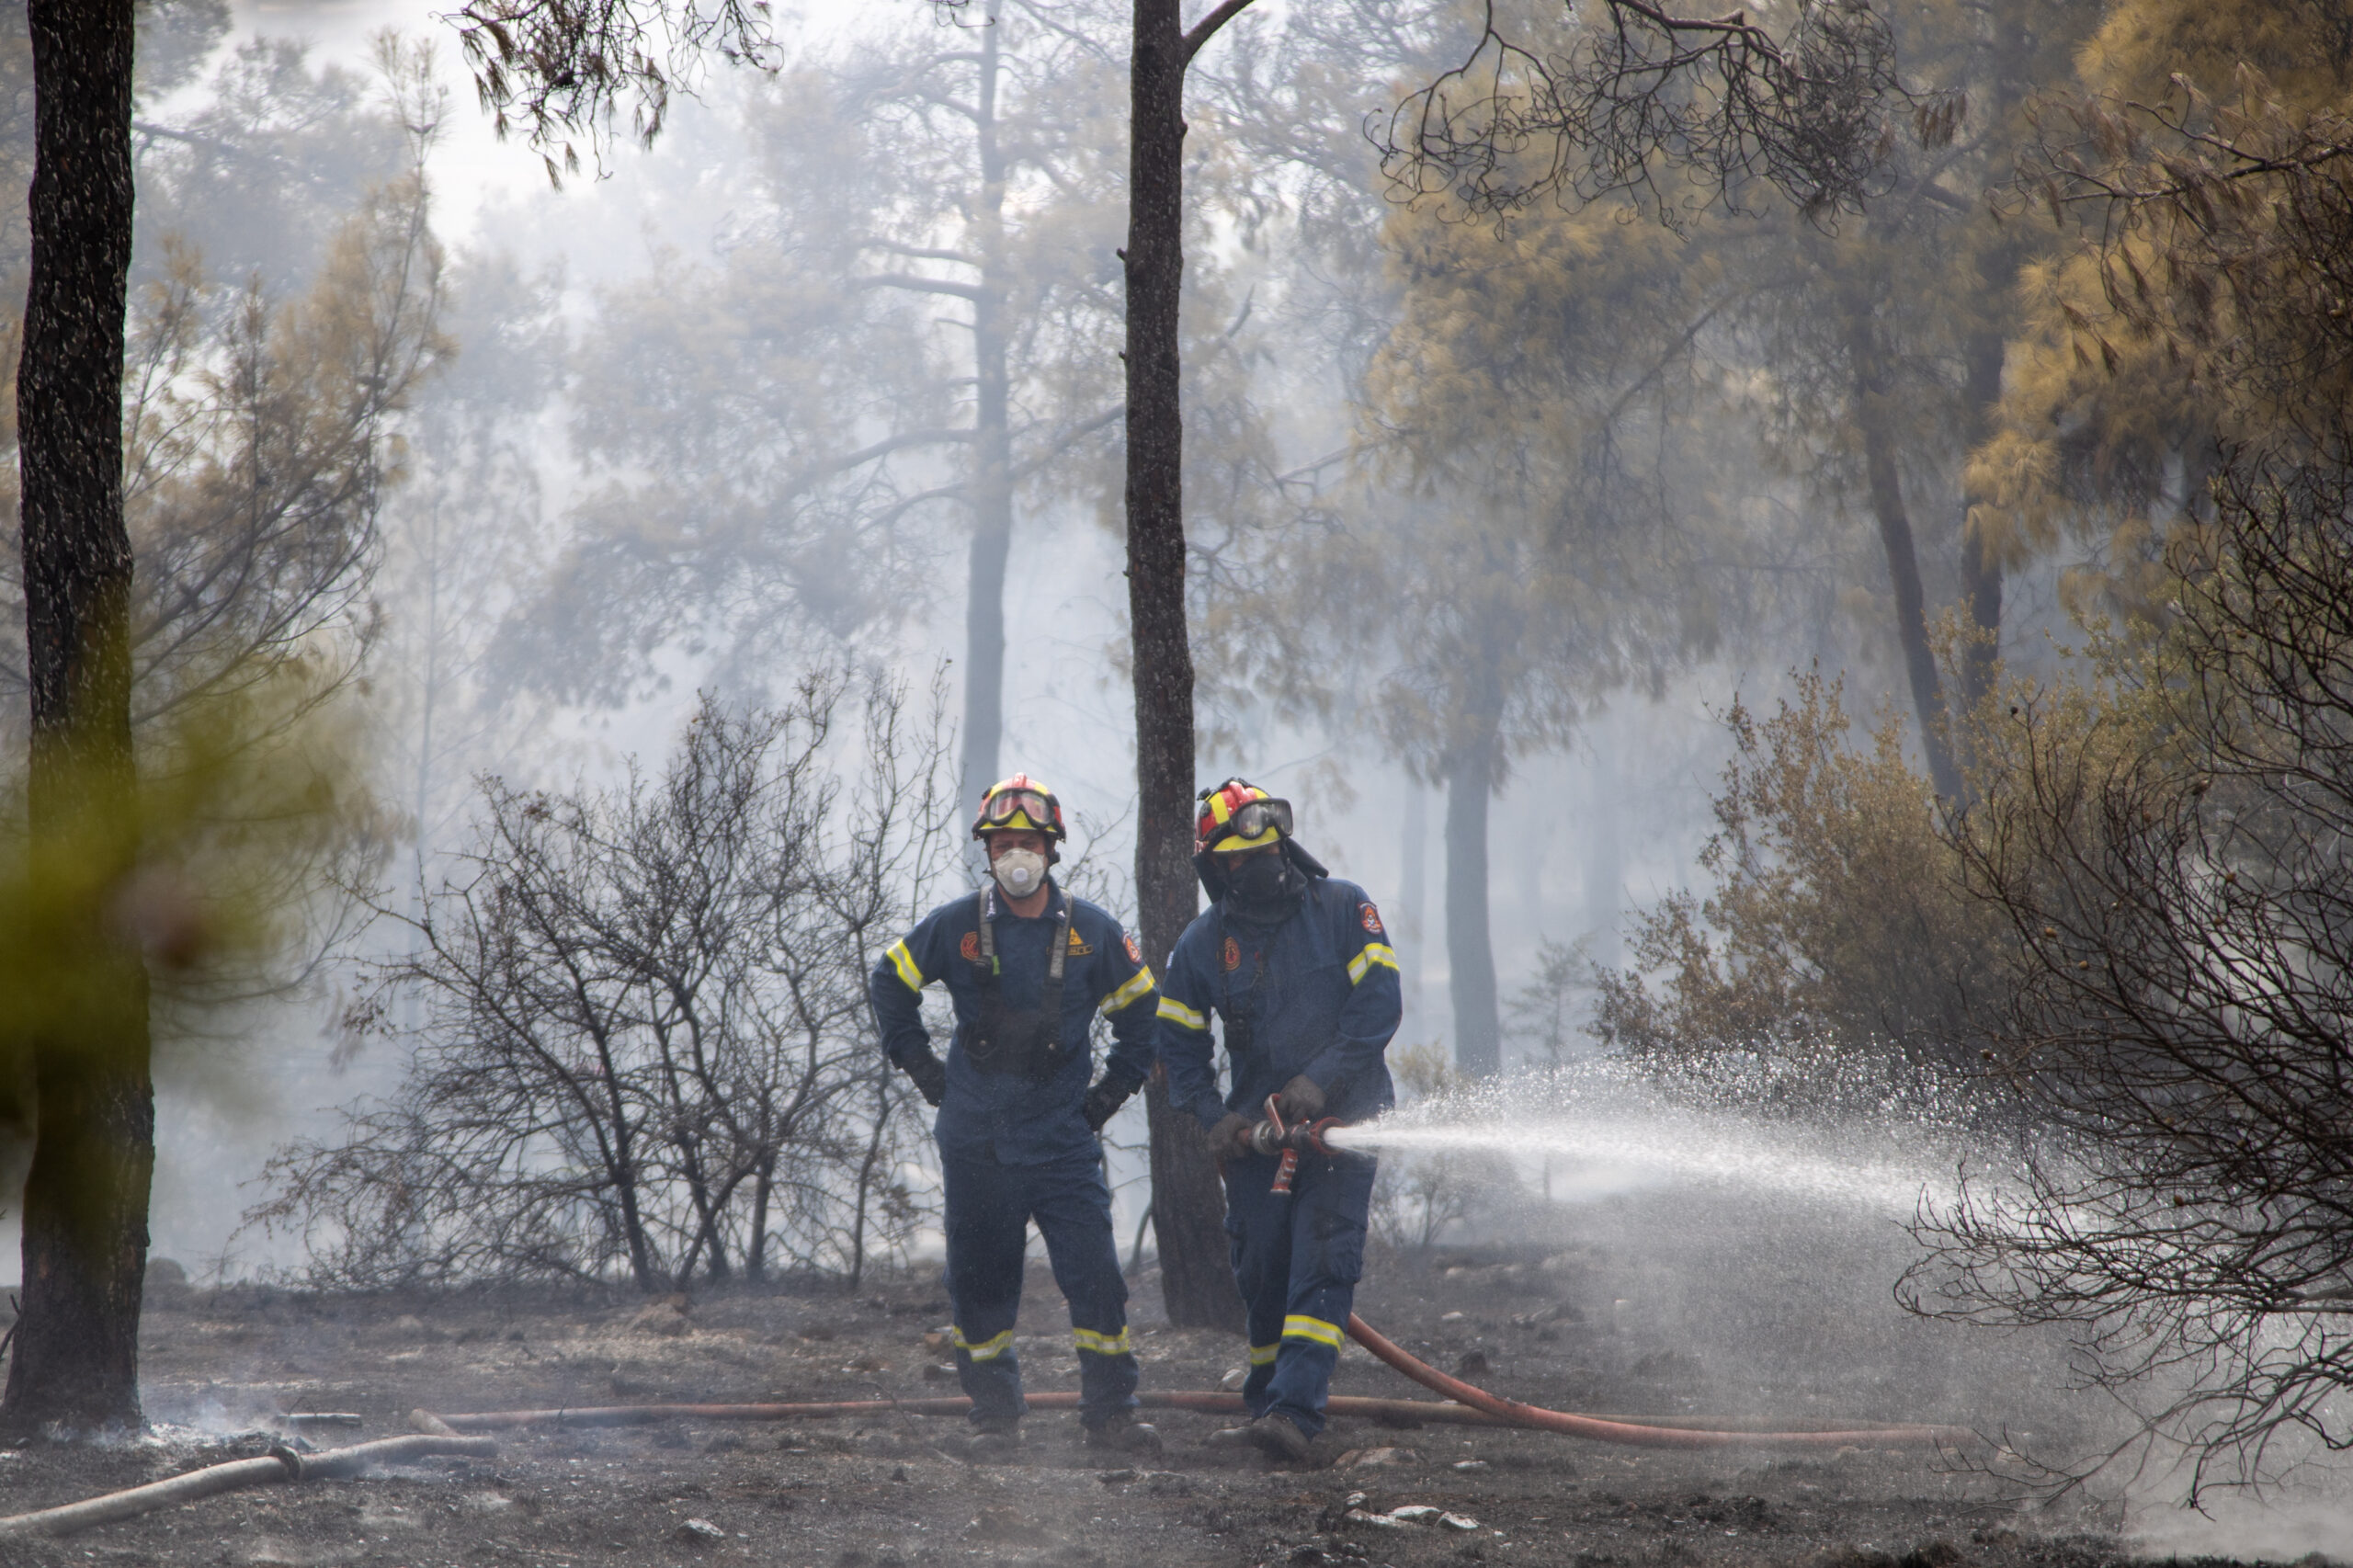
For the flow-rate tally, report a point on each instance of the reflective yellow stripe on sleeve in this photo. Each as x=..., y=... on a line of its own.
x=1264, y=1355
x=1374, y=953
x=988, y=1349
x=1176, y=1012
x=1101, y=1344
x=905, y=963
x=1136, y=986
x=1316, y=1329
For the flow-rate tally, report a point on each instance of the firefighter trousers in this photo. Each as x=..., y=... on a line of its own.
x=989, y=1207
x=1297, y=1259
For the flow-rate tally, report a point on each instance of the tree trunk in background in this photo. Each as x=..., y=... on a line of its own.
x=1413, y=894
x=1197, y=1280
x=76, y=1350
x=1469, y=952
x=1981, y=567
x=1895, y=534
x=1605, y=861
x=992, y=480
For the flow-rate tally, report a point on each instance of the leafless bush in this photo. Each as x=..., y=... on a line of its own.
x=644, y=1048
x=2172, y=864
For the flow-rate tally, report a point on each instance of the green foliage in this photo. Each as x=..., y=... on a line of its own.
x=205, y=882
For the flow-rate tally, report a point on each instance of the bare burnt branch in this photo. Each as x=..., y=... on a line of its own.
x=1673, y=111
x=641, y=1047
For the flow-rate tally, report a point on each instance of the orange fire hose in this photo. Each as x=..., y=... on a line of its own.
x=1637, y=1432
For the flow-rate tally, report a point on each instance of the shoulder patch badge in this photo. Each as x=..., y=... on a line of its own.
x=1078, y=945
x=970, y=947
x=1371, y=918
x=1136, y=954
x=1233, y=953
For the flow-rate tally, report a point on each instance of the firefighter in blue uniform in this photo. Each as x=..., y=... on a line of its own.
x=1296, y=965
x=1027, y=967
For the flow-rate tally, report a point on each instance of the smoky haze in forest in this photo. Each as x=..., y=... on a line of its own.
x=641, y=466
x=1781, y=556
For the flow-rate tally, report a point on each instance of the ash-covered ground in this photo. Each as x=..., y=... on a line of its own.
x=1647, y=1303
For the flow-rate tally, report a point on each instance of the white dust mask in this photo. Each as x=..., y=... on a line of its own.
x=1019, y=872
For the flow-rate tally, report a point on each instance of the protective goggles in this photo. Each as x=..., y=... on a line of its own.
x=1249, y=825
x=1004, y=806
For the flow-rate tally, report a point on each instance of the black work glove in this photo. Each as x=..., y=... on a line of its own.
x=1230, y=1138
x=1300, y=1100
x=929, y=1074
x=1104, y=1100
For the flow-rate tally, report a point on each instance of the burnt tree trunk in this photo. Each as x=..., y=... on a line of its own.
x=1980, y=565
x=76, y=1346
x=1867, y=364
x=991, y=481
x=1197, y=1281
x=1470, y=777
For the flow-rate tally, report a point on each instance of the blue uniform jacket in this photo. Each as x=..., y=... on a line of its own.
x=1322, y=991
x=1022, y=1120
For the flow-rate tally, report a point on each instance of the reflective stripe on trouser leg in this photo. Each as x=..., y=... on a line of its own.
x=1261, y=1373
x=1073, y=1208
x=987, y=1227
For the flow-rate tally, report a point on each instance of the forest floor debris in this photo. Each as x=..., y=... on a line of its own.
x=875, y=1494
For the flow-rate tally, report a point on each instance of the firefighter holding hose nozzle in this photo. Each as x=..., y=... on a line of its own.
x=1027, y=967
x=1296, y=965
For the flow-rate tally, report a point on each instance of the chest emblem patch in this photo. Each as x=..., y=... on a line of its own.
x=970, y=947
x=1078, y=945
x=1233, y=954
x=1371, y=918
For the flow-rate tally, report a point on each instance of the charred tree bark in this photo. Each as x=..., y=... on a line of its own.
x=1869, y=368
x=1413, y=894
x=1197, y=1280
x=991, y=481
x=1471, y=777
x=76, y=1347
x=1981, y=568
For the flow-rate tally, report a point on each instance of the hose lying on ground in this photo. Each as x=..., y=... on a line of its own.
x=1393, y=1412
x=1470, y=1406
x=1641, y=1432
x=279, y=1464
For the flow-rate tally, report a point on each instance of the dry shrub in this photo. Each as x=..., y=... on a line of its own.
x=1839, y=926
